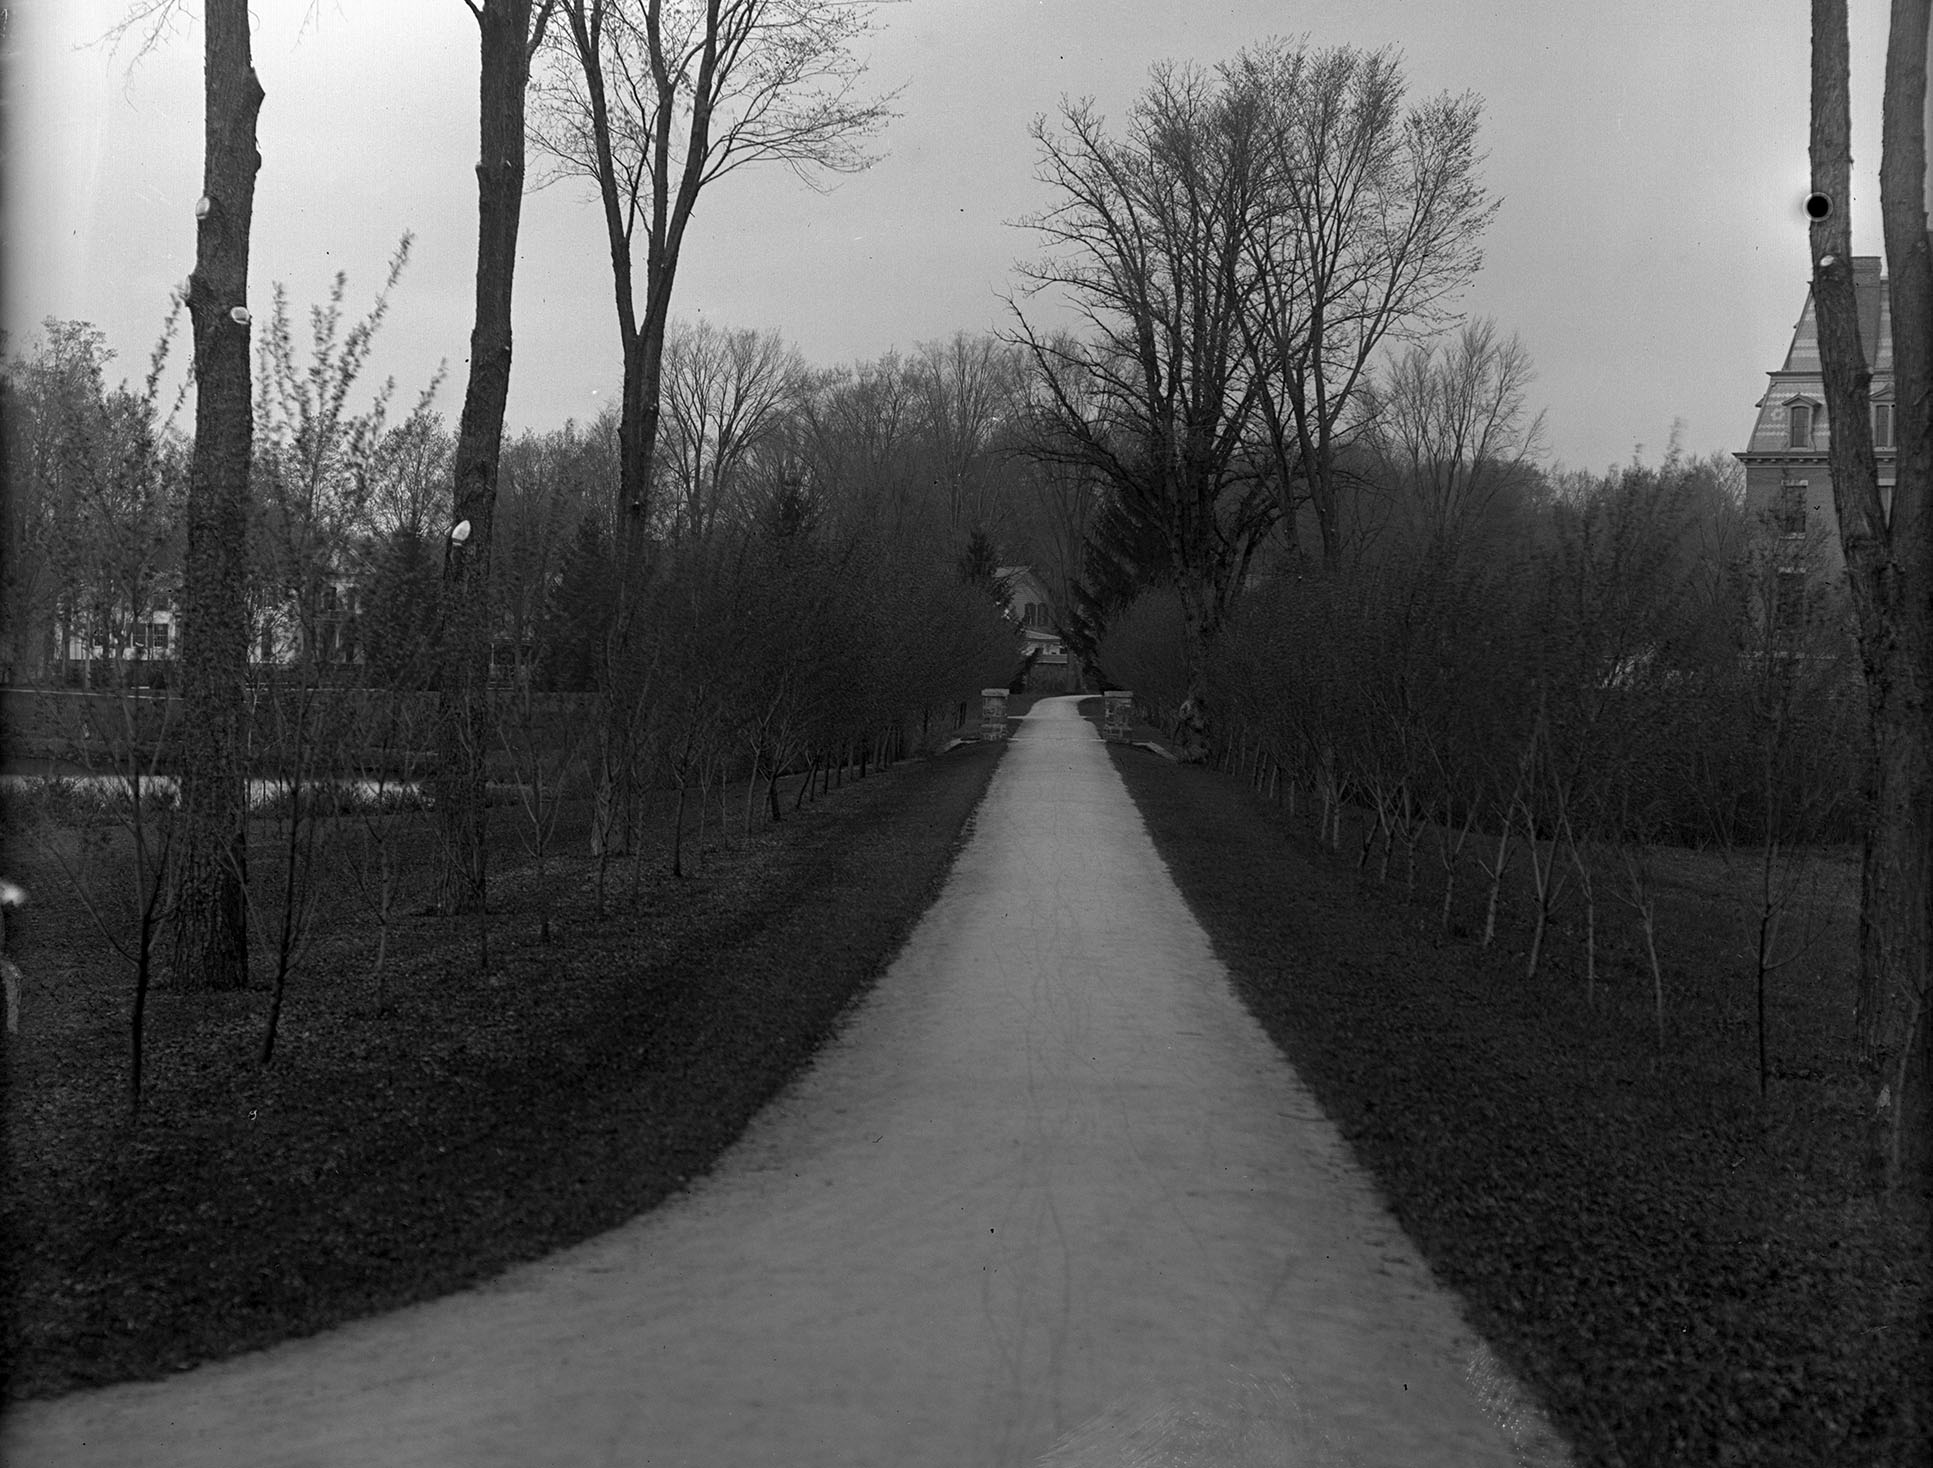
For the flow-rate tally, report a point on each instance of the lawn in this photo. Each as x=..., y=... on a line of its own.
x=1681, y=1272
x=473, y=1119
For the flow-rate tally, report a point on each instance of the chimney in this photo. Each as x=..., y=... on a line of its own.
x=1867, y=289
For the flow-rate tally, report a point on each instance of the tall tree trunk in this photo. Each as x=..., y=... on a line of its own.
x=464, y=646
x=638, y=426
x=1888, y=549
x=666, y=210
x=1194, y=723
x=210, y=902
x=1906, y=197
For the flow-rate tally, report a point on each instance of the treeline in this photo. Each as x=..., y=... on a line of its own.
x=817, y=589
x=1624, y=656
x=877, y=477
x=817, y=593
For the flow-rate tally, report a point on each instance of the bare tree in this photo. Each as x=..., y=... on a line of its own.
x=1370, y=230
x=1639, y=891
x=385, y=757
x=210, y=909
x=728, y=390
x=1149, y=237
x=1793, y=707
x=543, y=745
x=653, y=100
x=122, y=740
x=1055, y=510
x=857, y=433
x=407, y=474
x=1452, y=432
x=511, y=31
x=967, y=386
x=298, y=743
x=1888, y=546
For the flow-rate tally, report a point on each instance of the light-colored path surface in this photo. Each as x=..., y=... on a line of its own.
x=1052, y=1197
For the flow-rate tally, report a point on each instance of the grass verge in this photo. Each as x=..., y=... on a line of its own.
x=473, y=1121
x=1681, y=1272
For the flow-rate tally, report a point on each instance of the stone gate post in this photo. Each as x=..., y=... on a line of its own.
x=993, y=713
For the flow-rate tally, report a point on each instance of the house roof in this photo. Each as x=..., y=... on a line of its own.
x=1019, y=577
x=1875, y=323
x=1802, y=375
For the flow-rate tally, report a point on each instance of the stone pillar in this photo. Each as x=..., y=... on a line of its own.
x=993, y=713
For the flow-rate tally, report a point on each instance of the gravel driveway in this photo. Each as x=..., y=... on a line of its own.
x=1052, y=1198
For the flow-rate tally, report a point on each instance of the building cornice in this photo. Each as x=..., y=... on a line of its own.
x=1804, y=459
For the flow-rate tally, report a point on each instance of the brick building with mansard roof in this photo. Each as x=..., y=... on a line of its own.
x=1788, y=485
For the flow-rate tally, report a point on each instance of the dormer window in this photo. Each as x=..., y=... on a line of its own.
x=1798, y=425
x=1882, y=425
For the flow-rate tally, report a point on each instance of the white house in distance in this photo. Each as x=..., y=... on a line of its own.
x=1031, y=609
x=91, y=648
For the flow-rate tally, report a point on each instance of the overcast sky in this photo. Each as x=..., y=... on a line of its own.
x=1650, y=157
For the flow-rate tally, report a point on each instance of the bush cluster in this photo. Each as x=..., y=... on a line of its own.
x=1621, y=659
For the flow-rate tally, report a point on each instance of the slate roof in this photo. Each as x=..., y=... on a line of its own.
x=1802, y=374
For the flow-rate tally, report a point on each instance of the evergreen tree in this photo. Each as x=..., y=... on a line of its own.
x=979, y=565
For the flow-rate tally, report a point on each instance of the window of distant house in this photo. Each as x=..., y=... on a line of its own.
x=1798, y=423
x=1792, y=507
x=1882, y=425
x=1030, y=614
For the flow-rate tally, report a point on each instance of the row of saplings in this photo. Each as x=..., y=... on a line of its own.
x=342, y=796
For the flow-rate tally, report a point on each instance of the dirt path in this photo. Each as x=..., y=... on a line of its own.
x=1052, y=1198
